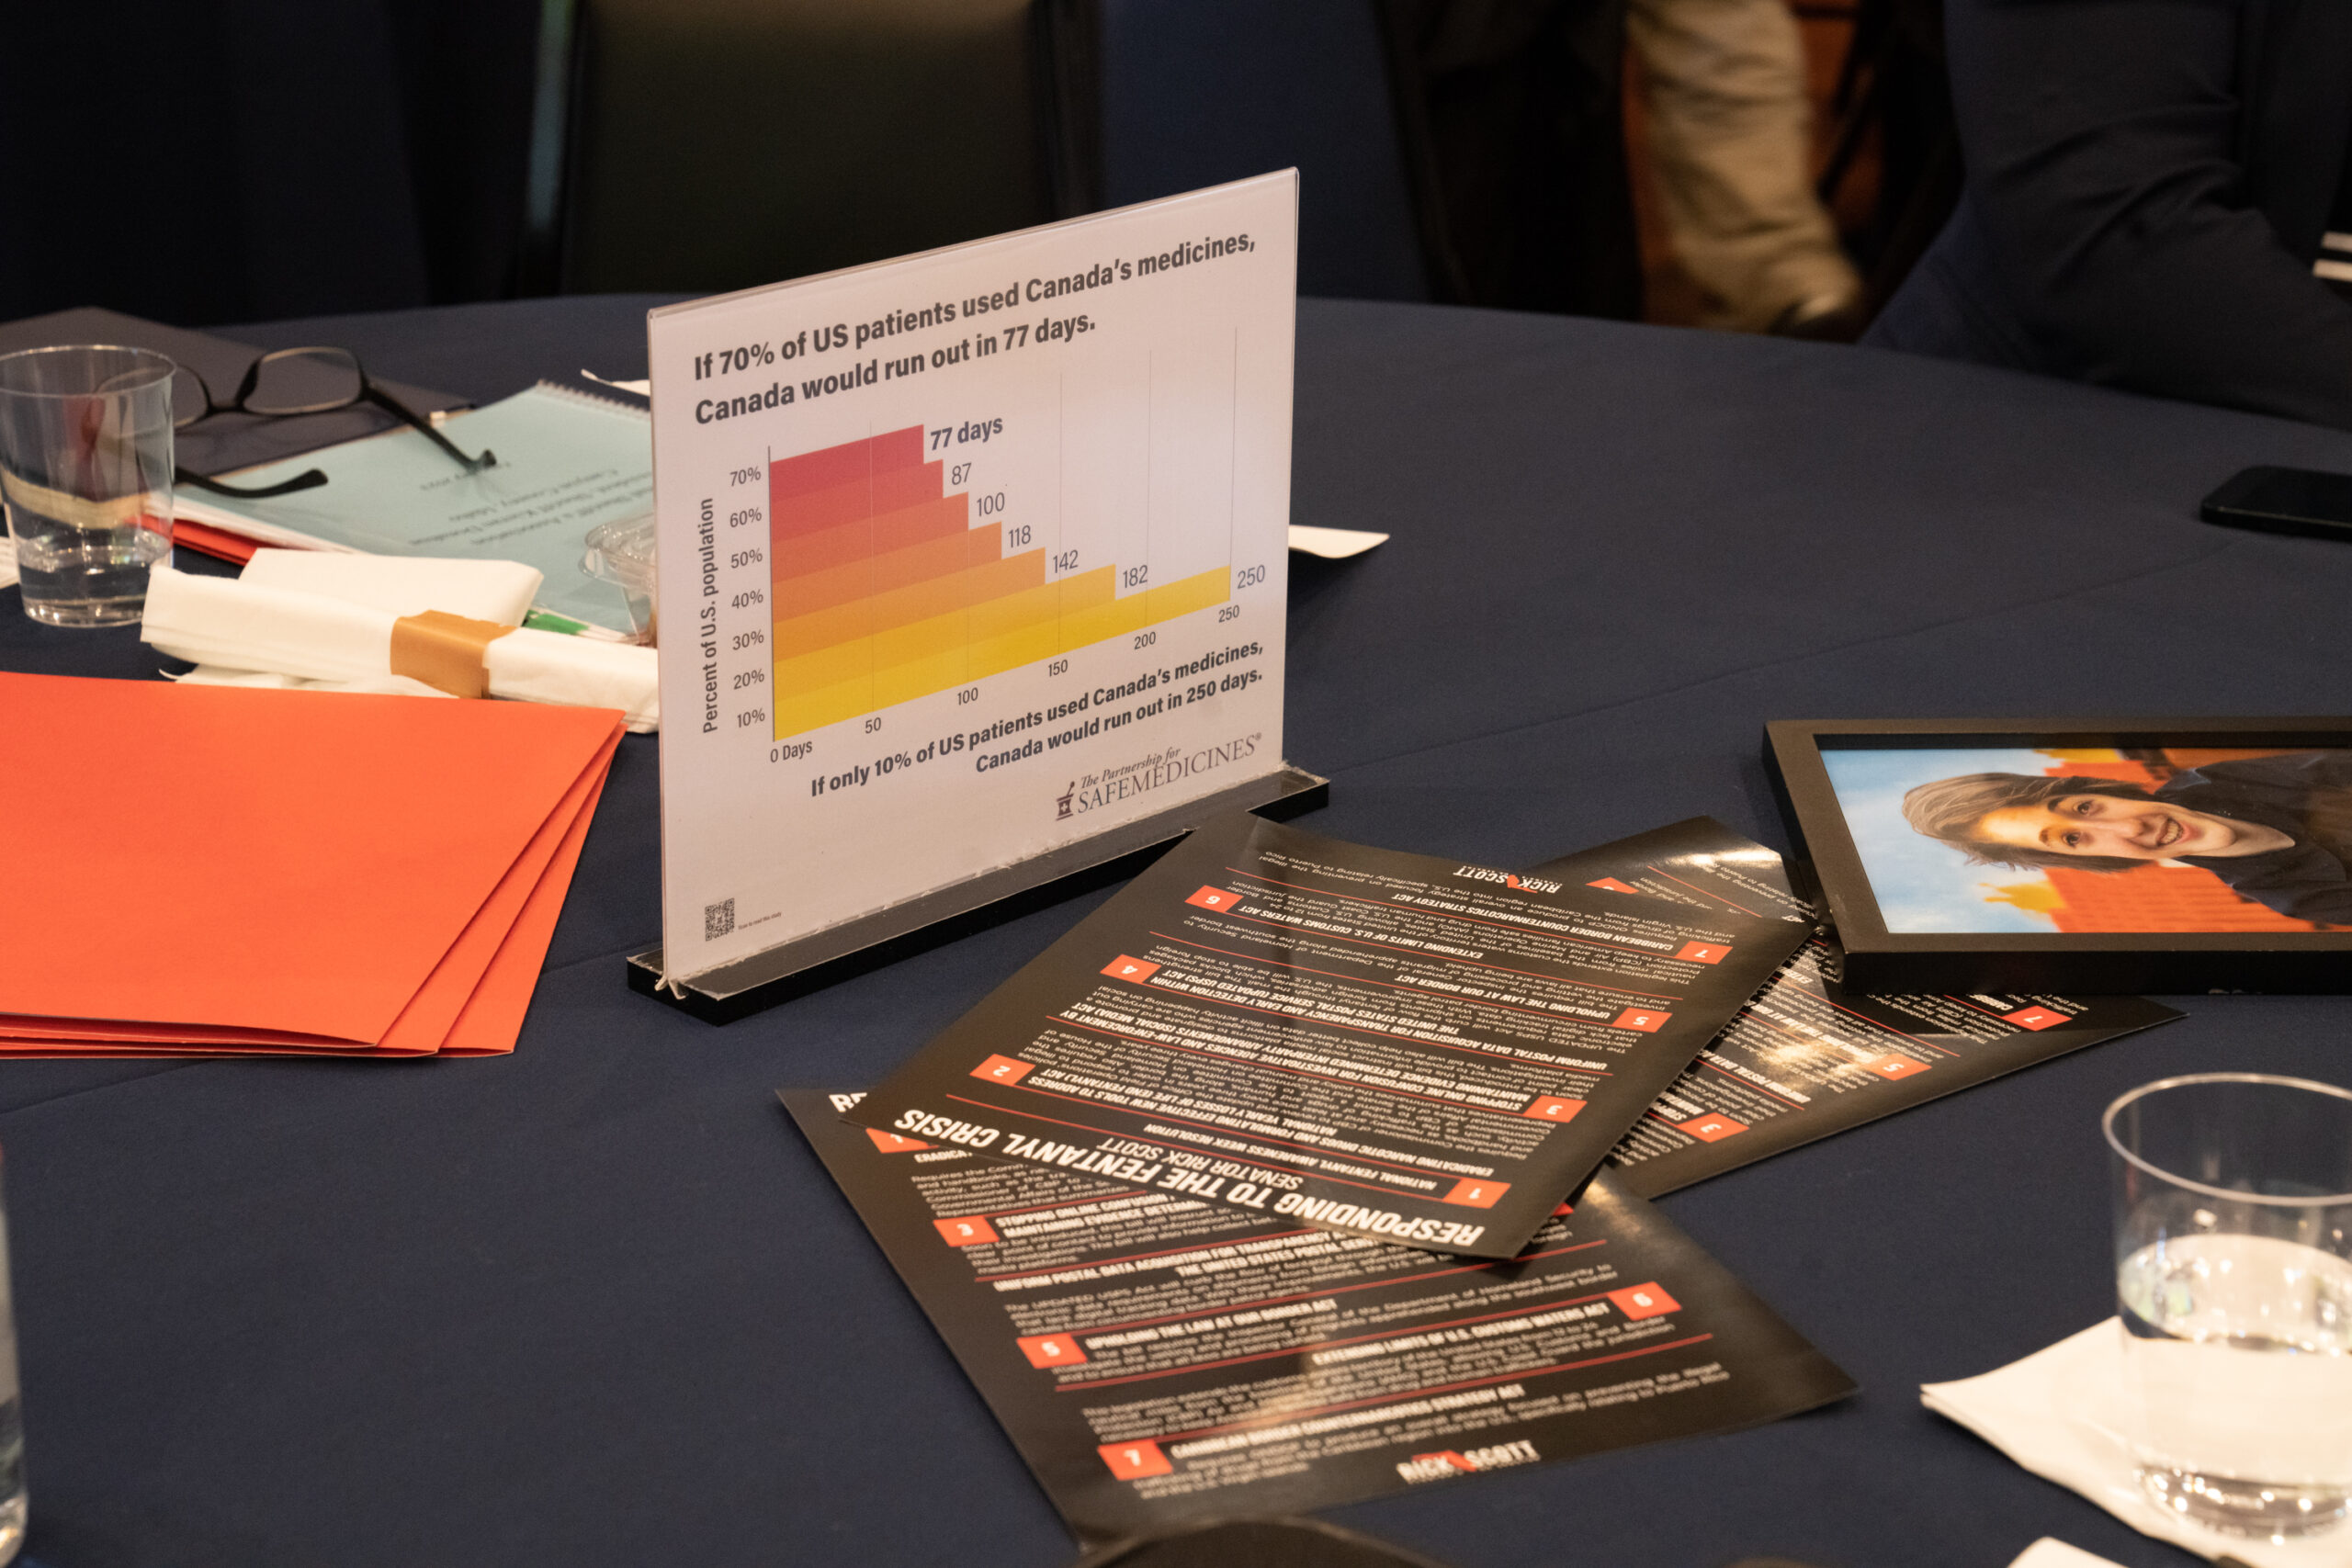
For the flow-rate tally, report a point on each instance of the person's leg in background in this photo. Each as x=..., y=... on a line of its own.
x=1729, y=135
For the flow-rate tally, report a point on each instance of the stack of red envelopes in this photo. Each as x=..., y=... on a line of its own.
x=199, y=870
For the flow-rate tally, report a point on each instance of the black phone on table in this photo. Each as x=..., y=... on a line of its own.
x=2284, y=501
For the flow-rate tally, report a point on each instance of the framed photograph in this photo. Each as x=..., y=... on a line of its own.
x=2087, y=855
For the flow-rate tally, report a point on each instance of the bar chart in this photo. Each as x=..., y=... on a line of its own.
x=885, y=587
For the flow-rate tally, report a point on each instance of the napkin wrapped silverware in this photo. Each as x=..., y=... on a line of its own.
x=228, y=626
x=500, y=590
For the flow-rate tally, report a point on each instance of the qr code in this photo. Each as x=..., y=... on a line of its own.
x=718, y=919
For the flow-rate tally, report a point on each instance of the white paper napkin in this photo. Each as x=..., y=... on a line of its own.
x=226, y=624
x=220, y=620
x=2060, y=1414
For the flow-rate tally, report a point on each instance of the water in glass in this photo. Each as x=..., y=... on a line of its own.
x=2241, y=1349
x=76, y=576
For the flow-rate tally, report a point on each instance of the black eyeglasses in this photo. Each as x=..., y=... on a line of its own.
x=294, y=381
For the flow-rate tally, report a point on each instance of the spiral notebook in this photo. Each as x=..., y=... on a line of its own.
x=568, y=460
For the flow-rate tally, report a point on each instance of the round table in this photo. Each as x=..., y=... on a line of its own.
x=595, y=1303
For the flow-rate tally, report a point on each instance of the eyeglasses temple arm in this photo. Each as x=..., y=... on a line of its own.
x=310, y=479
x=424, y=427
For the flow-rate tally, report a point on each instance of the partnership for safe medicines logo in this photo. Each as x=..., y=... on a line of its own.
x=1096, y=791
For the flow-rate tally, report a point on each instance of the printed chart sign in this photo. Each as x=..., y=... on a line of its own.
x=967, y=556
x=1160, y=1359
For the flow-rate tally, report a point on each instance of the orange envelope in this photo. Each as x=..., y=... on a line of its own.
x=493, y=1014
x=489, y=1019
x=210, y=867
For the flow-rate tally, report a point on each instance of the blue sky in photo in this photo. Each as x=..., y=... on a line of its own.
x=1923, y=886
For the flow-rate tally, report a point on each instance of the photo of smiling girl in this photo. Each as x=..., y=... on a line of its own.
x=2272, y=829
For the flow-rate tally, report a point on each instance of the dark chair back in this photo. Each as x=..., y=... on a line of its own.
x=1514, y=118
x=705, y=145
x=1198, y=92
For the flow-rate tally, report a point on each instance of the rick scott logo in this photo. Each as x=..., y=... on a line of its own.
x=1447, y=1461
x=1523, y=883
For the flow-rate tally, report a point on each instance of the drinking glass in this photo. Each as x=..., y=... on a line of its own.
x=12, y=1426
x=2234, y=1280
x=86, y=473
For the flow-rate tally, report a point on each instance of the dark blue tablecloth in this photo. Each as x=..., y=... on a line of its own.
x=595, y=1304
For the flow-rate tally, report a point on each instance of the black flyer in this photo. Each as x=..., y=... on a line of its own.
x=1389, y=1045
x=1806, y=1058
x=1160, y=1360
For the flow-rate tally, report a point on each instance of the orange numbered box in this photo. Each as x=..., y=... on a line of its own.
x=2034, y=1017
x=1638, y=1301
x=1704, y=952
x=1647, y=1019
x=891, y=1143
x=1051, y=1350
x=970, y=1231
x=1002, y=1069
x=1712, y=1128
x=1214, y=899
x=1892, y=1067
x=1126, y=968
x=1133, y=1462
x=1475, y=1194
x=1552, y=1108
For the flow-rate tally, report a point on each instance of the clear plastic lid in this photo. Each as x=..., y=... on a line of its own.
x=622, y=554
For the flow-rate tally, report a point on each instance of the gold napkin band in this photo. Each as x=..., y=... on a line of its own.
x=144, y=510
x=445, y=651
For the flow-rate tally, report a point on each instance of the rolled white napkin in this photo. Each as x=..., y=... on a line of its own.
x=2062, y=1413
x=221, y=620
x=387, y=685
x=227, y=624
x=499, y=590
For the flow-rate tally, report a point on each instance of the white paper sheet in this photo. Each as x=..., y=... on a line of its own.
x=1333, y=544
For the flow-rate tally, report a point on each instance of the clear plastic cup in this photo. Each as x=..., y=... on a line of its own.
x=86, y=476
x=12, y=1508
x=2233, y=1282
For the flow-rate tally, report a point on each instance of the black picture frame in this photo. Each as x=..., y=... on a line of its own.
x=2092, y=963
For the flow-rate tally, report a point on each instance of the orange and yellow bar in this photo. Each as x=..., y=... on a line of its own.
x=914, y=659
x=884, y=592
x=834, y=485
